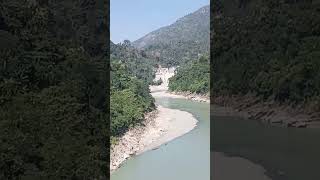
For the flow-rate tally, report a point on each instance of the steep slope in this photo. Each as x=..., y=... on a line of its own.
x=193, y=77
x=180, y=42
x=53, y=89
x=268, y=52
x=130, y=97
x=136, y=61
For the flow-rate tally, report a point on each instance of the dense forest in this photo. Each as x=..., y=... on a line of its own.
x=180, y=42
x=131, y=74
x=193, y=77
x=137, y=61
x=268, y=48
x=53, y=89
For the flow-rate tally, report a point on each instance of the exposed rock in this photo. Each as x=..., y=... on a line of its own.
x=194, y=96
x=271, y=112
x=129, y=144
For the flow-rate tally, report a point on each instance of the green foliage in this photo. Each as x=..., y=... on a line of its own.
x=193, y=77
x=53, y=90
x=180, y=42
x=137, y=62
x=131, y=73
x=269, y=48
x=126, y=111
x=130, y=99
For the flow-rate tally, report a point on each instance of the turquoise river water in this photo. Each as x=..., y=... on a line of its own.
x=186, y=158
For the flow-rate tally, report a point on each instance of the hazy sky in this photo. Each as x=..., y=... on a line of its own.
x=132, y=19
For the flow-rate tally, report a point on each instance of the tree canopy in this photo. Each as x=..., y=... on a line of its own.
x=270, y=48
x=53, y=90
x=131, y=74
x=193, y=77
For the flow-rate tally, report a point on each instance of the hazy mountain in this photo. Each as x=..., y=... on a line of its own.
x=181, y=41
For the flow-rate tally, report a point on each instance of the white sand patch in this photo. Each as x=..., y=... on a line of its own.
x=166, y=126
x=159, y=127
x=169, y=124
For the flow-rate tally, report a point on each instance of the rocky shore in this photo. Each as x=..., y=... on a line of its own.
x=159, y=127
x=162, y=90
x=129, y=144
x=158, y=91
x=194, y=96
x=271, y=112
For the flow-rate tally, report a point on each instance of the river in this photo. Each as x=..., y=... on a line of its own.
x=285, y=153
x=186, y=157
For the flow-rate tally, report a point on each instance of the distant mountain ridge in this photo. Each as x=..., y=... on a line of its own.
x=181, y=41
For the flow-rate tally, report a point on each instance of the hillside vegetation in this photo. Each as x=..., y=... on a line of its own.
x=137, y=62
x=133, y=68
x=193, y=77
x=53, y=90
x=269, y=48
x=180, y=42
x=131, y=74
x=185, y=43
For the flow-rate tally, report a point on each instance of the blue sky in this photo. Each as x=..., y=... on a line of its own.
x=132, y=19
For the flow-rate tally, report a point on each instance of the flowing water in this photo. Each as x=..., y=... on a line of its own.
x=285, y=153
x=185, y=158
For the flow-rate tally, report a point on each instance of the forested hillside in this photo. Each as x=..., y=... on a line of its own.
x=130, y=99
x=133, y=69
x=131, y=74
x=180, y=42
x=269, y=48
x=137, y=62
x=193, y=77
x=53, y=89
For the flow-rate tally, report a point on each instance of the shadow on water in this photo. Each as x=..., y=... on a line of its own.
x=286, y=153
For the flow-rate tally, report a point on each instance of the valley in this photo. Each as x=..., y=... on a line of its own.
x=153, y=65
